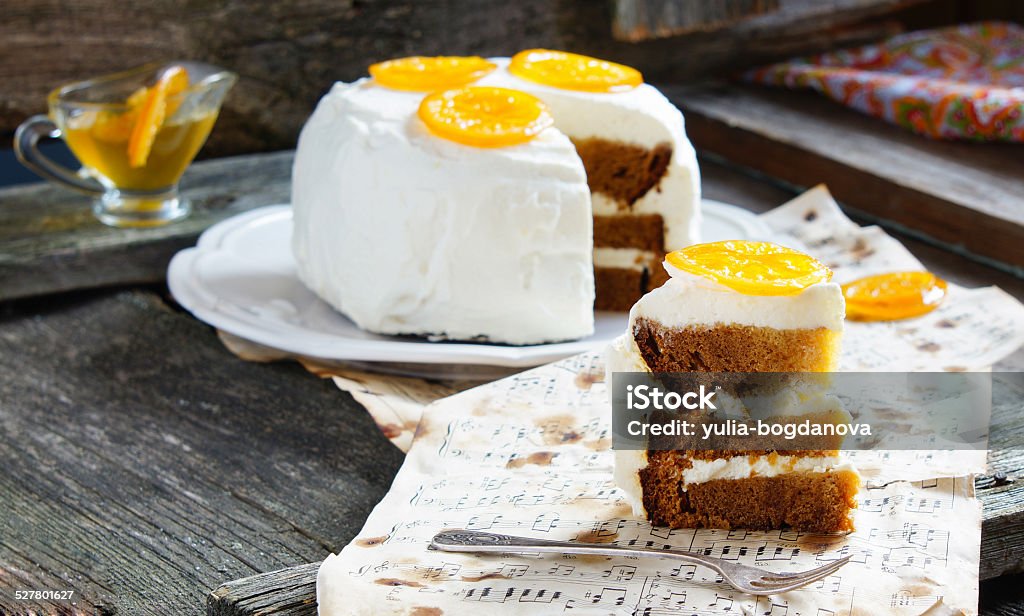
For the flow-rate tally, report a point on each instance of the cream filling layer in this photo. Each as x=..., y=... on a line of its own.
x=624, y=258
x=629, y=463
x=745, y=467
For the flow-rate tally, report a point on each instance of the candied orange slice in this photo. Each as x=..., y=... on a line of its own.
x=751, y=268
x=571, y=71
x=485, y=117
x=152, y=113
x=430, y=73
x=893, y=296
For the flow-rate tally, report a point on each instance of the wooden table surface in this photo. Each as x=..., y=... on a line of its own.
x=144, y=465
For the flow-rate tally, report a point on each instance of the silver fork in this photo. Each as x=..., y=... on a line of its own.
x=747, y=579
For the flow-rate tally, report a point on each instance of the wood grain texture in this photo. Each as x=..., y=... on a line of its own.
x=50, y=242
x=636, y=20
x=293, y=593
x=1002, y=492
x=144, y=464
x=967, y=195
x=289, y=53
x=1003, y=596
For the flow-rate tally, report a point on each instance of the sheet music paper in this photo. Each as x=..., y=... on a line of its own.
x=529, y=455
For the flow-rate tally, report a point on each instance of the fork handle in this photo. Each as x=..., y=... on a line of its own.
x=476, y=541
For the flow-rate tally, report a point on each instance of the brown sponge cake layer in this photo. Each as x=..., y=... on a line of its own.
x=735, y=348
x=812, y=501
x=658, y=276
x=622, y=171
x=644, y=232
x=618, y=288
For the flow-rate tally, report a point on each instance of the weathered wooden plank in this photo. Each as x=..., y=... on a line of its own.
x=1003, y=596
x=50, y=242
x=963, y=194
x=731, y=184
x=293, y=589
x=636, y=20
x=1002, y=493
x=143, y=464
x=290, y=591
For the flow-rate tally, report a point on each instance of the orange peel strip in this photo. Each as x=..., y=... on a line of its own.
x=152, y=113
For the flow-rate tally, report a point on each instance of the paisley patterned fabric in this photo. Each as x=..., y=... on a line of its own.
x=963, y=82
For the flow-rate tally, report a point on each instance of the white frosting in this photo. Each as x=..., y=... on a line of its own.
x=691, y=300
x=641, y=116
x=622, y=355
x=405, y=232
x=628, y=464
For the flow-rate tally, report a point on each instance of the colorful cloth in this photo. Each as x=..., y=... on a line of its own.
x=963, y=82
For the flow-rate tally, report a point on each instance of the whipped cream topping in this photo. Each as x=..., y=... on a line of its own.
x=686, y=300
x=624, y=258
x=408, y=233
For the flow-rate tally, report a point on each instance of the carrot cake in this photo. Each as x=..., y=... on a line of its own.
x=740, y=307
x=414, y=219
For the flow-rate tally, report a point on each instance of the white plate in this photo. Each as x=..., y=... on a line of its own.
x=241, y=278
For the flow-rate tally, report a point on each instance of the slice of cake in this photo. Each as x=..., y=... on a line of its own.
x=406, y=230
x=739, y=307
